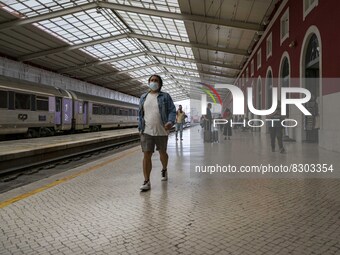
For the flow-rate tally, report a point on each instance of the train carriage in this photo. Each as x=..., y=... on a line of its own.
x=96, y=113
x=32, y=108
x=40, y=110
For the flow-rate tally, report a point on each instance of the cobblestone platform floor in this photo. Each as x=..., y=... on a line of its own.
x=101, y=211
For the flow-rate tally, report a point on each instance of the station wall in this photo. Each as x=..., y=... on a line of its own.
x=306, y=20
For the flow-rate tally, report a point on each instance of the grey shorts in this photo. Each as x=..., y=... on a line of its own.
x=148, y=143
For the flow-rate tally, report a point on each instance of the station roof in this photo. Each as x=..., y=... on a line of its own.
x=118, y=44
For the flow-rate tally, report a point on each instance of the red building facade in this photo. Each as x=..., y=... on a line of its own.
x=301, y=41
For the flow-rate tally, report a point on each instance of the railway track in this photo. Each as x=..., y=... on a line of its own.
x=41, y=159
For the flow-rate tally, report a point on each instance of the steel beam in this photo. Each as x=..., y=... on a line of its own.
x=196, y=70
x=146, y=53
x=94, y=77
x=69, y=48
x=130, y=35
x=189, y=45
x=191, y=60
x=99, y=62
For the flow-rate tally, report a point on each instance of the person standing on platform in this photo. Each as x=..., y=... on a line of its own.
x=180, y=117
x=227, y=132
x=208, y=118
x=276, y=130
x=156, y=116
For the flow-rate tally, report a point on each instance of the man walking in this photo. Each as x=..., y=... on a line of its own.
x=157, y=114
x=180, y=116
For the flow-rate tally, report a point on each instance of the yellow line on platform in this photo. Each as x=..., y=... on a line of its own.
x=67, y=178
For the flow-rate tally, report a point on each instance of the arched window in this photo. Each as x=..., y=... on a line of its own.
x=312, y=83
x=285, y=73
x=269, y=89
x=285, y=83
x=259, y=94
x=312, y=66
x=313, y=52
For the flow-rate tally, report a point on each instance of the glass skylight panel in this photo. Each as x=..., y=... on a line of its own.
x=85, y=26
x=32, y=8
x=186, y=79
x=169, y=49
x=115, y=48
x=145, y=71
x=163, y=5
x=173, y=62
x=156, y=26
x=133, y=62
x=143, y=80
x=182, y=72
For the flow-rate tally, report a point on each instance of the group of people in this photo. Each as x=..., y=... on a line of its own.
x=207, y=120
x=276, y=131
x=157, y=115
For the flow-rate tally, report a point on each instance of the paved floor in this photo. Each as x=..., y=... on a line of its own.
x=101, y=211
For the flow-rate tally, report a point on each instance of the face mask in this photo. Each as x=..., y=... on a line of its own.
x=153, y=86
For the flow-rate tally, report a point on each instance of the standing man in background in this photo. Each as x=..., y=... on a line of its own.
x=180, y=116
x=227, y=132
x=209, y=117
x=156, y=116
x=276, y=130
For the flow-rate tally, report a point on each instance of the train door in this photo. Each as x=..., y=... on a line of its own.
x=85, y=113
x=57, y=116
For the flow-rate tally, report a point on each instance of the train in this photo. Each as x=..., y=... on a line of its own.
x=37, y=110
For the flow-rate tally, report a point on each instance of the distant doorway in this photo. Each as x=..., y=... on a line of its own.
x=269, y=94
x=285, y=75
x=312, y=83
x=258, y=99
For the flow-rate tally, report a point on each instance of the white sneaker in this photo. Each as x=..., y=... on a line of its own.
x=164, y=175
x=146, y=186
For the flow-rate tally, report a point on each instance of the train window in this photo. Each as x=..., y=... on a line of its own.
x=22, y=101
x=95, y=109
x=130, y=112
x=123, y=112
x=42, y=103
x=115, y=111
x=107, y=110
x=11, y=100
x=3, y=99
x=102, y=108
x=33, y=103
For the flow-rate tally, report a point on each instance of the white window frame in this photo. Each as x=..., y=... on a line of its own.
x=269, y=46
x=310, y=7
x=259, y=59
x=284, y=17
x=252, y=67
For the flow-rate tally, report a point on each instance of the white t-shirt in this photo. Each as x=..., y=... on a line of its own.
x=152, y=117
